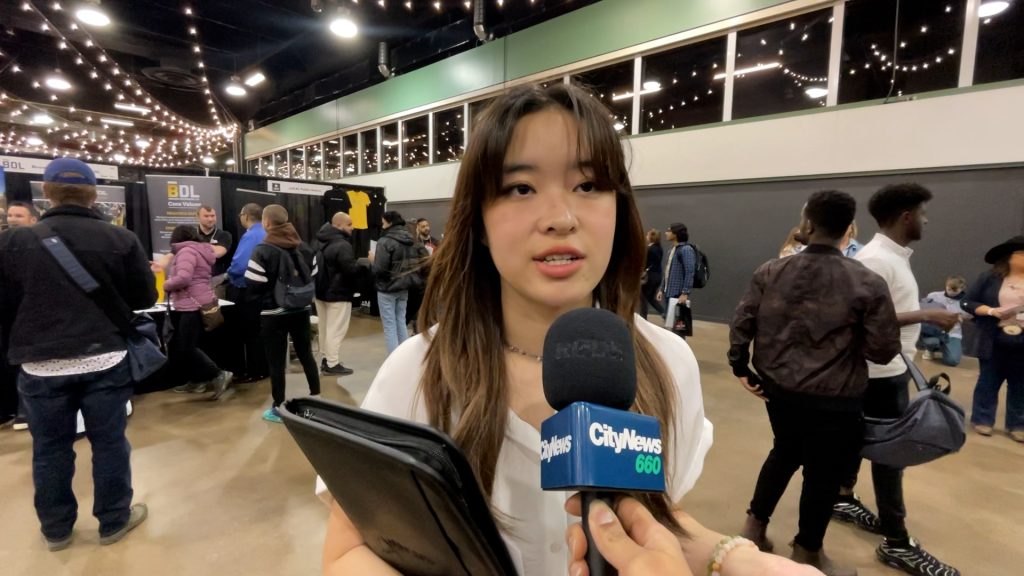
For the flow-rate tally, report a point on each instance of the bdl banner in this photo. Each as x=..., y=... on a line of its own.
x=175, y=200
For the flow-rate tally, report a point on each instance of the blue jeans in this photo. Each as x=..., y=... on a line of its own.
x=51, y=404
x=392, y=315
x=1005, y=365
x=934, y=339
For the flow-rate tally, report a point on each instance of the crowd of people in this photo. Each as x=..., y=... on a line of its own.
x=543, y=221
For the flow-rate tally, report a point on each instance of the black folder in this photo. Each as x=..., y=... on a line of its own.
x=405, y=486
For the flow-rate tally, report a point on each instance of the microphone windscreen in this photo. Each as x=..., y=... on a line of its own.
x=589, y=357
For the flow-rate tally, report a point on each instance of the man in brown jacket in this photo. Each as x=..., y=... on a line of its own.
x=815, y=319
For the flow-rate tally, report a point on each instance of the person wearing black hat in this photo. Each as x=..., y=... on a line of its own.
x=996, y=299
x=71, y=353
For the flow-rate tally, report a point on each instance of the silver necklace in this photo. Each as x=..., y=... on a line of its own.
x=522, y=352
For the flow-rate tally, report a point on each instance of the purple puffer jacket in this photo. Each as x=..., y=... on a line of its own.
x=189, y=280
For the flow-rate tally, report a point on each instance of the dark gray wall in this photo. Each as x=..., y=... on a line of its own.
x=740, y=226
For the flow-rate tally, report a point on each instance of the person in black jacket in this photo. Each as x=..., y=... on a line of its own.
x=71, y=353
x=335, y=289
x=278, y=319
x=652, y=274
x=394, y=274
x=997, y=301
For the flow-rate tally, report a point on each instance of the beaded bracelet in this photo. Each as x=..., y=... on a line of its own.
x=722, y=550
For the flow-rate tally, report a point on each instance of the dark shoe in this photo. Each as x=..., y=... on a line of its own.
x=323, y=364
x=191, y=388
x=58, y=545
x=338, y=370
x=754, y=530
x=819, y=560
x=220, y=384
x=912, y=559
x=136, y=516
x=20, y=423
x=851, y=510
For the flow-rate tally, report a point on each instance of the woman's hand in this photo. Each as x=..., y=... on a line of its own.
x=633, y=541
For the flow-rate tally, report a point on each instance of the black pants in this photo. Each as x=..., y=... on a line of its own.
x=275, y=331
x=9, y=405
x=188, y=362
x=822, y=442
x=649, y=298
x=242, y=320
x=885, y=398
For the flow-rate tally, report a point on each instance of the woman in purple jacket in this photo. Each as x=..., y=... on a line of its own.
x=188, y=285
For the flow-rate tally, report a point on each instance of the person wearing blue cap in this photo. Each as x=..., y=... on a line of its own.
x=72, y=355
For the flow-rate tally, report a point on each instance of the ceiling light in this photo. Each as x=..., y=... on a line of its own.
x=34, y=141
x=619, y=126
x=208, y=160
x=343, y=25
x=58, y=82
x=142, y=143
x=43, y=119
x=750, y=70
x=131, y=108
x=992, y=8
x=235, y=88
x=120, y=157
x=255, y=79
x=116, y=121
x=92, y=15
x=816, y=92
x=652, y=85
x=230, y=162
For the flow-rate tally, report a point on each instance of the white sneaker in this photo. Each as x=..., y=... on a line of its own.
x=927, y=355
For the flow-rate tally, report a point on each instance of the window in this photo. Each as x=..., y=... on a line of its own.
x=266, y=166
x=252, y=166
x=679, y=87
x=350, y=154
x=416, y=141
x=314, y=162
x=368, y=141
x=448, y=135
x=927, y=48
x=297, y=163
x=389, y=146
x=613, y=85
x=281, y=164
x=332, y=159
x=1000, y=46
x=782, y=66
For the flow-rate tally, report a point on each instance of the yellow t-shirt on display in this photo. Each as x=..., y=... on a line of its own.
x=360, y=202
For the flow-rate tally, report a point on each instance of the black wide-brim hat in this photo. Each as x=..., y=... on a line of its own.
x=999, y=252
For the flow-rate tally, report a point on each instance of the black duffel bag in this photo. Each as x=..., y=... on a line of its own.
x=931, y=427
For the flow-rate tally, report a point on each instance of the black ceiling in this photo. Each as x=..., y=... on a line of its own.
x=149, y=52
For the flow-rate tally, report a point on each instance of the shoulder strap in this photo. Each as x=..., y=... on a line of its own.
x=108, y=301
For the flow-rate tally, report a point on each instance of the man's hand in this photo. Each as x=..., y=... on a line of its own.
x=754, y=389
x=943, y=319
x=371, y=256
x=633, y=541
x=683, y=298
x=1004, y=312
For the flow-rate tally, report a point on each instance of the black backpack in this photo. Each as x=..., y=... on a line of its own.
x=702, y=275
x=295, y=287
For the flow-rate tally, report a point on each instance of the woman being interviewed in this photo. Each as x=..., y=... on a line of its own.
x=543, y=221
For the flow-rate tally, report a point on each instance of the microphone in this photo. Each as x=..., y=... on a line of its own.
x=594, y=444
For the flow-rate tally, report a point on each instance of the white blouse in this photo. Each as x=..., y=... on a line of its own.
x=536, y=519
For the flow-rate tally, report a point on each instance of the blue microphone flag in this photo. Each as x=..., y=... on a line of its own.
x=590, y=447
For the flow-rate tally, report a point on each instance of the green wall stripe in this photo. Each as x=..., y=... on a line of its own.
x=591, y=31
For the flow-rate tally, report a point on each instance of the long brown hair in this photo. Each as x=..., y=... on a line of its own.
x=464, y=371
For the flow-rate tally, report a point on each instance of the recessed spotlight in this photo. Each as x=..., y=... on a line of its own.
x=142, y=143
x=34, y=141
x=90, y=13
x=230, y=162
x=255, y=79
x=57, y=81
x=43, y=119
x=343, y=25
x=208, y=160
x=235, y=88
x=120, y=157
x=816, y=92
x=992, y=8
x=652, y=85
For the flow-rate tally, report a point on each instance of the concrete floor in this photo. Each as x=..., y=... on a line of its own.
x=230, y=494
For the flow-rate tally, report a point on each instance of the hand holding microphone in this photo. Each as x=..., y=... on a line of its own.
x=594, y=444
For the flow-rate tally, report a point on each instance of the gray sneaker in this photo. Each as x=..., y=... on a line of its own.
x=220, y=384
x=191, y=388
x=58, y=545
x=136, y=516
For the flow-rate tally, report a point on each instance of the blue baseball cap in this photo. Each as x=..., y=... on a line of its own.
x=69, y=171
